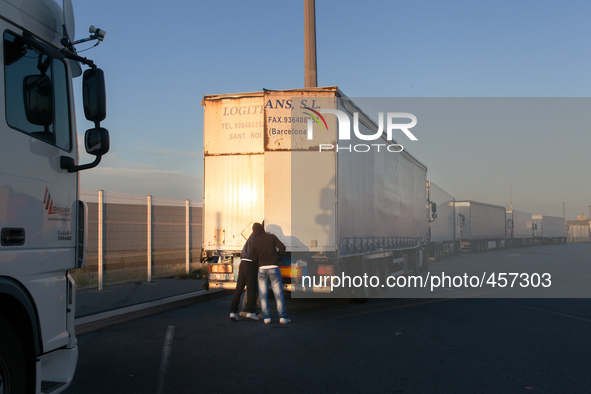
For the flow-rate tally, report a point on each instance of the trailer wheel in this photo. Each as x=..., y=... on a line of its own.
x=424, y=262
x=13, y=363
x=382, y=274
x=413, y=262
x=362, y=293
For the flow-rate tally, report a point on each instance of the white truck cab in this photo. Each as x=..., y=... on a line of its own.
x=42, y=220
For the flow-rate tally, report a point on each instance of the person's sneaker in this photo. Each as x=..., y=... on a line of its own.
x=234, y=316
x=284, y=321
x=243, y=314
x=252, y=316
x=267, y=321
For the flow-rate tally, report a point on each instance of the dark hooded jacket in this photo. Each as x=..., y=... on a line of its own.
x=266, y=247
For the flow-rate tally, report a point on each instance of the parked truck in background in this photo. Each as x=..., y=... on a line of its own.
x=482, y=226
x=519, y=228
x=349, y=208
x=443, y=240
x=549, y=229
x=42, y=221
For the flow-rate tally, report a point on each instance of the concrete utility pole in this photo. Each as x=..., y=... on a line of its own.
x=310, y=76
x=563, y=211
x=511, y=194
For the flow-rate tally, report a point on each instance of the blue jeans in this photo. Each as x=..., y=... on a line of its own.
x=272, y=275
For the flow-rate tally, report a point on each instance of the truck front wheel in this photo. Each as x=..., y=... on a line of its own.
x=13, y=364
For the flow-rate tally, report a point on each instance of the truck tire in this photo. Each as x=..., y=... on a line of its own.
x=13, y=363
x=373, y=269
x=361, y=294
x=424, y=263
x=413, y=261
x=382, y=274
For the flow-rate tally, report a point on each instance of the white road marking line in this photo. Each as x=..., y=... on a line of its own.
x=166, y=350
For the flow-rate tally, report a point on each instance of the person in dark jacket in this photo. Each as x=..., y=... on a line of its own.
x=247, y=276
x=266, y=248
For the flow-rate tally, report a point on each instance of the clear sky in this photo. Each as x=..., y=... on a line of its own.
x=160, y=58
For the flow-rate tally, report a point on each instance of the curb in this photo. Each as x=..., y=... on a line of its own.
x=106, y=319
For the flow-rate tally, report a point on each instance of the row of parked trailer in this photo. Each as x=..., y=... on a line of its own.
x=335, y=188
x=464, y=225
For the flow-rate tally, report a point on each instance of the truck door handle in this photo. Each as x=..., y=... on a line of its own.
x=13, y=236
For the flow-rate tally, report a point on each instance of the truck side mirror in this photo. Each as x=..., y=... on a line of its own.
x=462, y=219
x=38, y=100
x=433, y=214
x=97, y=141
x=94, y=95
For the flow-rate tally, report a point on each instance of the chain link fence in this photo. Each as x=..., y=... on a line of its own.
x=139, y=238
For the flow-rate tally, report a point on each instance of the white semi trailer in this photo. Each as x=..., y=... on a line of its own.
x=549, y=229
x=42, y=221
x=339, y=205
x=482, y=226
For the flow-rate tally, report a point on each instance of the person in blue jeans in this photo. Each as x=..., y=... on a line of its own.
x=266, y=248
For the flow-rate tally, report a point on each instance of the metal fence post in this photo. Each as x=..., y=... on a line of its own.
x=188, y=235
x=100, y=240
x=149, y=251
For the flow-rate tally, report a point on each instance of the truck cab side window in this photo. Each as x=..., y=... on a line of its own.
x=36, y=92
